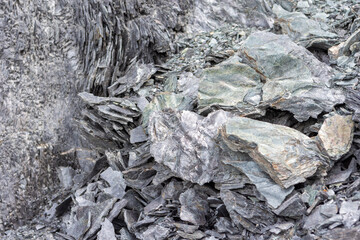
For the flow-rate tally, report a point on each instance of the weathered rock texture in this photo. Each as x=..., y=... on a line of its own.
x=39, y=80
x=287, y=155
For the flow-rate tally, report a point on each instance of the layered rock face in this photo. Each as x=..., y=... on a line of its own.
x=194, y=119
x=39, y=82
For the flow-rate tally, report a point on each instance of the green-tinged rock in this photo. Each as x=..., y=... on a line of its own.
x=163, y=101
x=295, y=80
x=287, y=155
x=273, y=193
x=231, y=85
x=302, y=30
x=336, y=135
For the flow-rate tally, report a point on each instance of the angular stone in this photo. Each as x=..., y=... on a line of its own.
x=134, y=78
x=137, y=135
x=292, y=207
x=295, y=80
x=194, y=207
x=107, y=231
x=246, y=213
x=273, y=193
x=336, y=134
x=287, y=155
x=184, y=142
x=345, y=47
x=116, y=182
x=302, y=30
x=231, y=85
x=164, y=101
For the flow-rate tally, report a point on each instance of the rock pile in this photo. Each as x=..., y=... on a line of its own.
x=249, y=131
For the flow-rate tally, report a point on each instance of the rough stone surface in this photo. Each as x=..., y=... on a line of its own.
x=183, y=140
x=295, y=80
x=287, y=155
x=336, y=135
x=38, y=84
x=231, y=85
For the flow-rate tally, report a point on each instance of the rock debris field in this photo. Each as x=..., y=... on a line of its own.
x=189, y=119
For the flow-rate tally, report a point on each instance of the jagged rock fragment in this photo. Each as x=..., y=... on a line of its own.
x=292, y=207
x=343, y=234
x=116, y=182
x=302, y=30
x=336, y=134
x=350, y=212
x=287, y=155
x=231, y=85
x=245, y=213
x=107, y=231
x=295, y=80
x=194, y=207
x=345, y=46
x=108, y=118
x=164, y=101
x=137, y=135
x=184, y=142
x=314, y=219
x=133, y=79
x=273, y=193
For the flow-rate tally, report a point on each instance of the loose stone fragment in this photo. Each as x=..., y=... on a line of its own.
x=329, y=209
x=253, y=216
x=292, y=207
x=302, y=30
x=116, y=182
x=338, y=175
x=336, y=135
x=350, y=212
x=345, y=47
x=184, y=142
x=273, y=193
x=194, y=207
x=231, y=85
x=287, y=155
x=314, y=219
x=107, y=231
x=343, y=234
x=295, y=80
x=164, y=101
x=137, y=135
x=133, y=79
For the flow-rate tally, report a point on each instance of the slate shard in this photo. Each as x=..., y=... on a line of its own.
x=108, y=118
x=163, y=101
x=184, y=142
x=336, y=135
x=288, y=156
x=136, y=75
x=302, y=30
x=231, y=85
x=107, y=231
x=293, y=207
x=245, y=213
x=116, y=182
x=295, y=80
x=273, y=193
x=194, y=207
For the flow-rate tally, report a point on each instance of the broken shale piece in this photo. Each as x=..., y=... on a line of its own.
x=287, y=155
